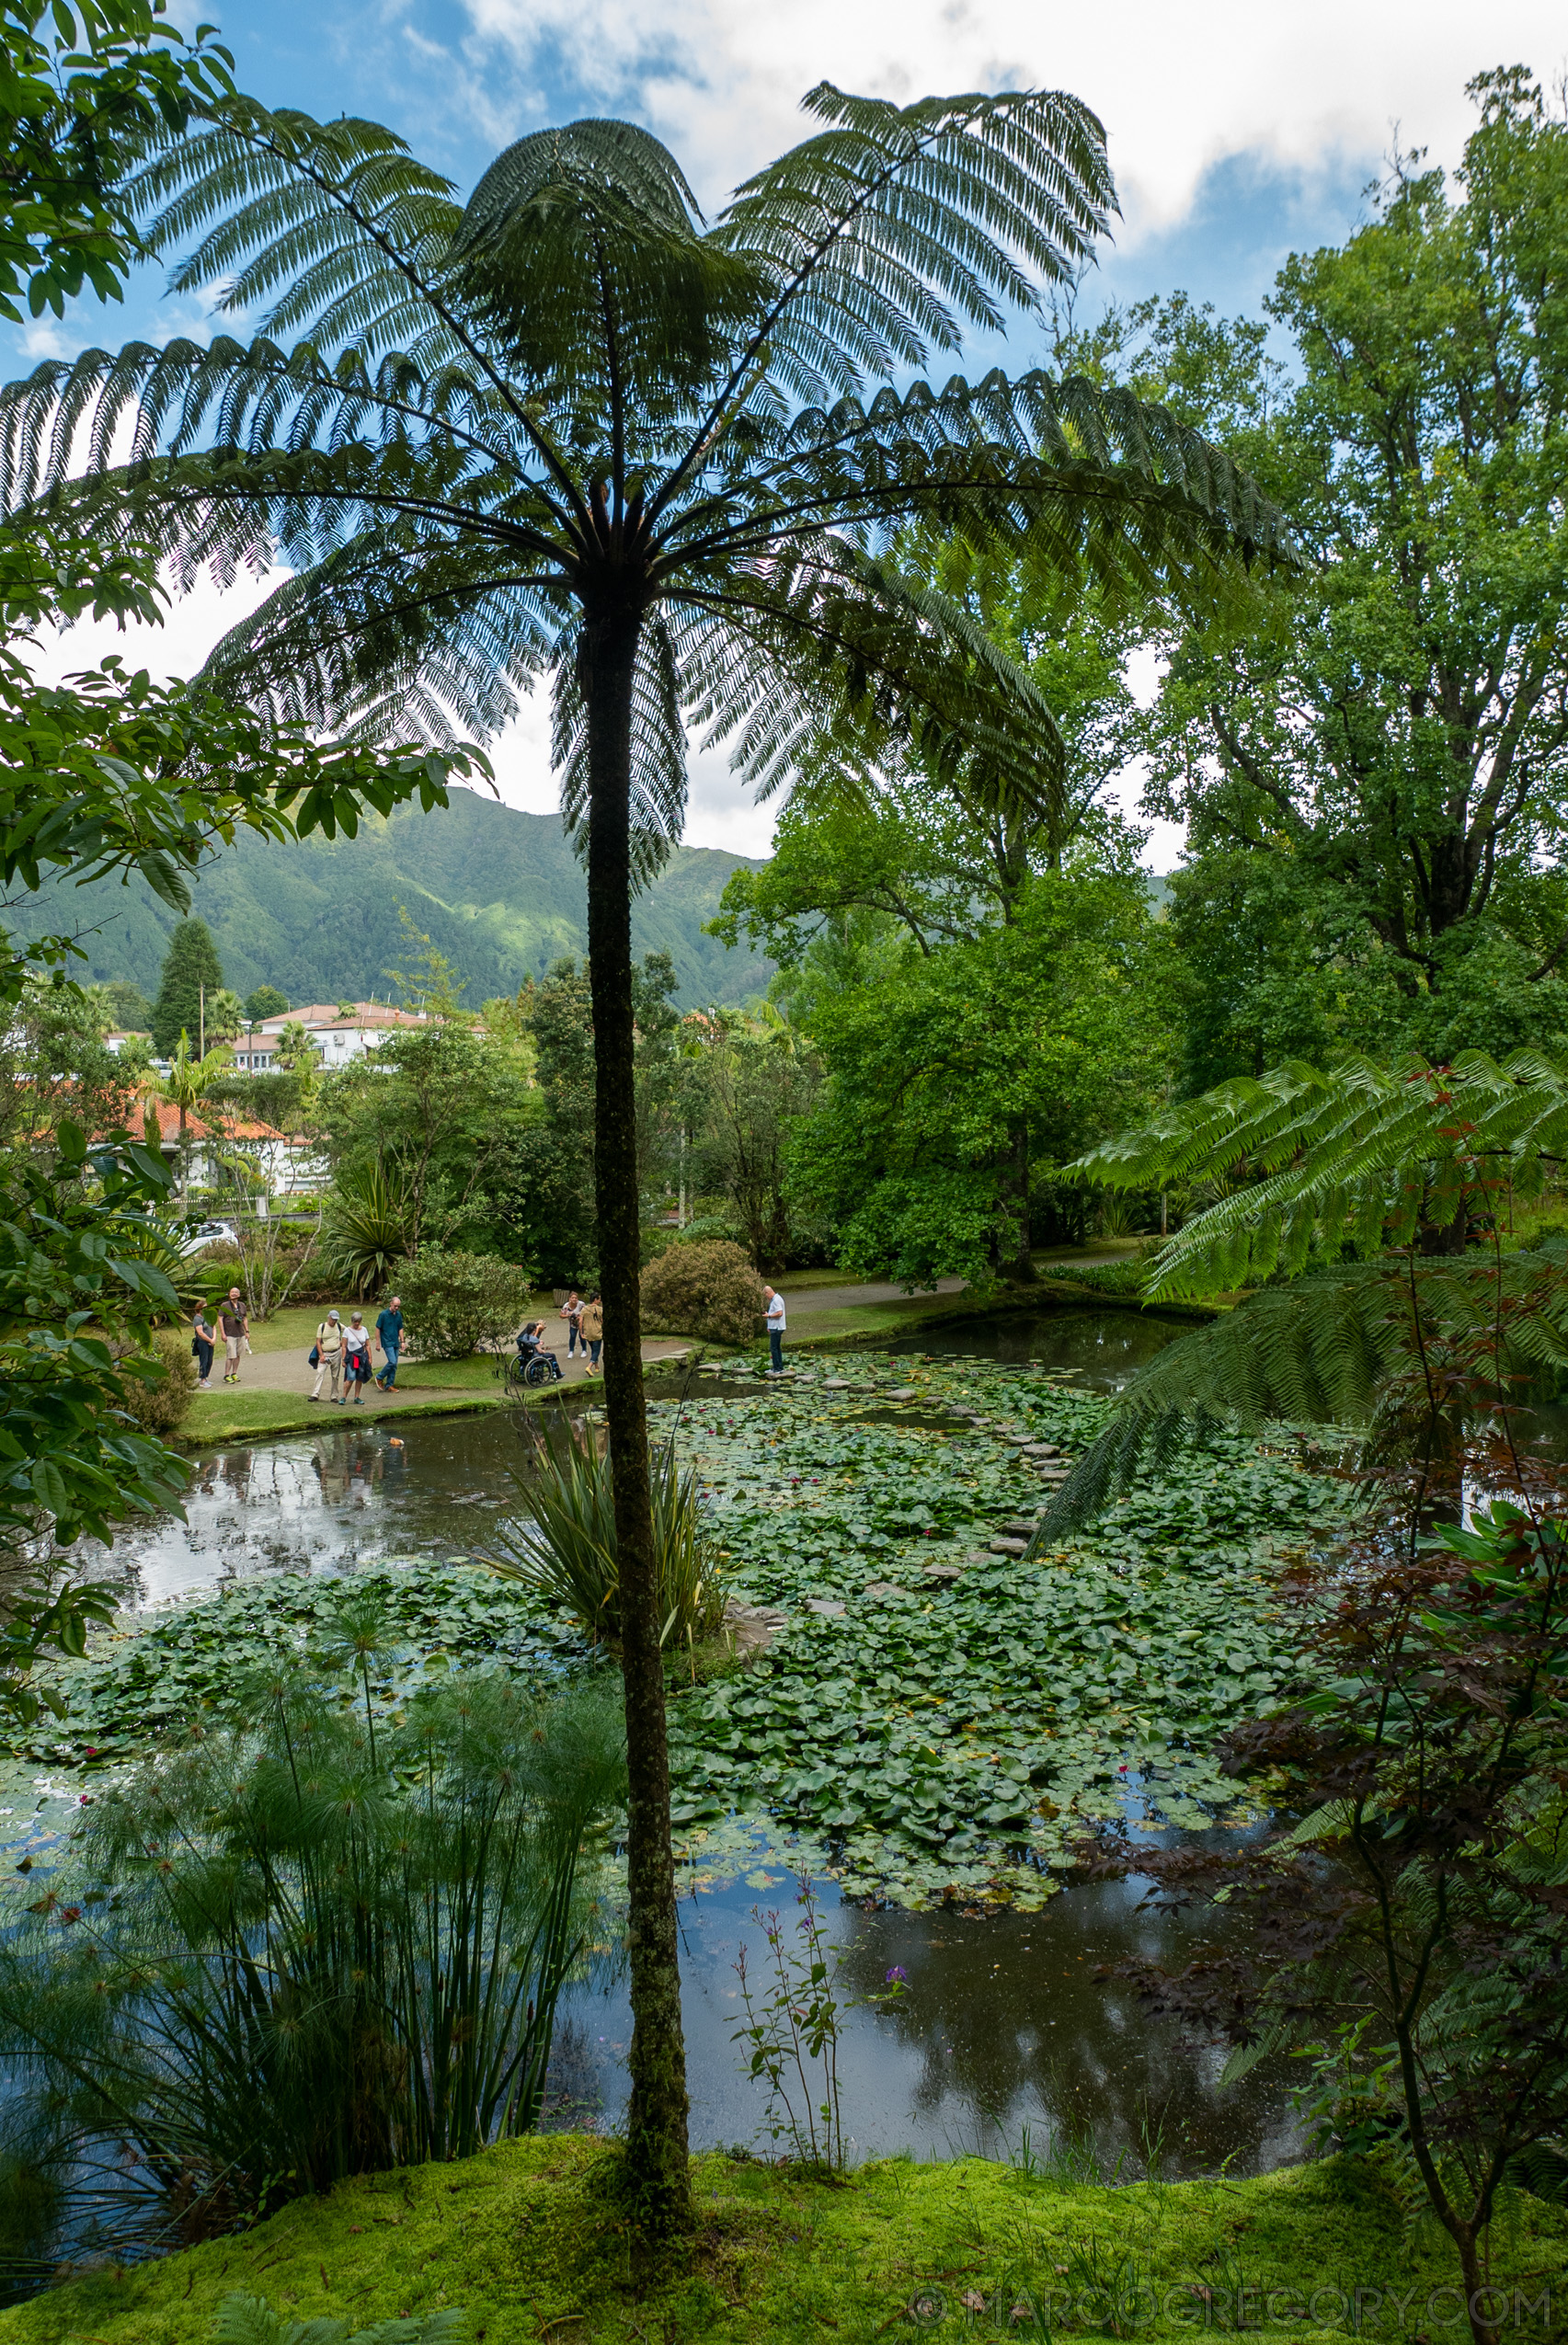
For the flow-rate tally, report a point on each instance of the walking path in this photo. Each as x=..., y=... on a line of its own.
x=806, y=1300
x=290, y=1371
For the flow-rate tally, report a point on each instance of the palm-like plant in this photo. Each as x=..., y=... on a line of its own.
x=366, y=1226
x=575, y=431
x=185, y=1087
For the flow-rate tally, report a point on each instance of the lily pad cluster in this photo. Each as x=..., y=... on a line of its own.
x=202, y=1660
x=950, y=1737
x=935, y=1718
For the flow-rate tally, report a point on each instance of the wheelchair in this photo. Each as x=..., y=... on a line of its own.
x=537, y=1369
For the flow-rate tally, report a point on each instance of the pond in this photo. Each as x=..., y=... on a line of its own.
x=1005, y=2036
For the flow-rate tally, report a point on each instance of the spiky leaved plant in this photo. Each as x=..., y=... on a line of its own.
x=575, y=429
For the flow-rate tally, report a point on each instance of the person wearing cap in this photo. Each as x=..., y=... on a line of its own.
x=329, y=1356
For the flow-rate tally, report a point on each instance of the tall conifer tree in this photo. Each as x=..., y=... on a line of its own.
x=190, y=962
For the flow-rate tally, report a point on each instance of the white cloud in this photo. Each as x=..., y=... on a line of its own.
x=721, y=812
x=1177, y=87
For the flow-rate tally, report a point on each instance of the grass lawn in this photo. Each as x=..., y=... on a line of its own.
x=226, y=1416
x=527, y=2241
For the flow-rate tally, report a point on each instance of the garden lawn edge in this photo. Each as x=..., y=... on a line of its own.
x=271, y=1412
x=526, y=2238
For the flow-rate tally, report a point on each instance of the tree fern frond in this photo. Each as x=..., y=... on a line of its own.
x=1362, y=1157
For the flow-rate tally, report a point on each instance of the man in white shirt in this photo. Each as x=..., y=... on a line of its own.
x=775, y=1303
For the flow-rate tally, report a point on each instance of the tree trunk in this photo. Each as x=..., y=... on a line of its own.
x=656, y=2117
x=1015, y=1197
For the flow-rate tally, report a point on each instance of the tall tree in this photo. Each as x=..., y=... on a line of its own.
x=1395, y=720
x=190, y=964
x=576, y=431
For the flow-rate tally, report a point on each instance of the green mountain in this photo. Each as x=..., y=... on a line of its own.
x=499, y=892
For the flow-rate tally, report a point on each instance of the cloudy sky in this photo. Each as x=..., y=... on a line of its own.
x=1238, y=133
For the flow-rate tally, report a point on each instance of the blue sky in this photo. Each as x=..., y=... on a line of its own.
x=1238, y=133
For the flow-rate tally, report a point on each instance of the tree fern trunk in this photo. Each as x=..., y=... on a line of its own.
x=656, y=2122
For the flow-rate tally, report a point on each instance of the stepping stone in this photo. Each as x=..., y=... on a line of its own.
x=753, y=1627
x=904, y=1392
x=883, y=1587
x=942, y=1570
x=1022, y=1526
x=1008, y=1546
x=824, y=1608
x=837, y=1384
x=1044, y=1449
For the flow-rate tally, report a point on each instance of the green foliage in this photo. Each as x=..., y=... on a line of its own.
x=72, y=1279
x=162, y=1408
x=81, y=90
x=1418, y=1895
x=127, y=1007
x=957, y=1077
x=1359, y=1157
x=748, y=1092
x=524, y=2234
x=456, y=1304
x=565, y=1545
x=1418, y=1345
x=333, y=1943
x=703, y=1290
x=38, y=1619
x=266, y=1002
x=437, y=1107
x=1392, y=722
x=250, y=2321
x=190, y=962
x=365, y=1227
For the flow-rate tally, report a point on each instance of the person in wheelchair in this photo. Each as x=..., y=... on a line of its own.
x=535, y=1363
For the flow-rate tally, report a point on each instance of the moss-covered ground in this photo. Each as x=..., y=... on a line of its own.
x=527, y=2240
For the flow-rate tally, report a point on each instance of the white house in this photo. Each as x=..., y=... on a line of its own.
x=342, y=1032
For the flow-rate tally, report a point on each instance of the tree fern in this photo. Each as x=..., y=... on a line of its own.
x=1341, y=1181
x=576, y=432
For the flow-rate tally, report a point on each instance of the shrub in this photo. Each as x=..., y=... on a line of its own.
x=708, y=1290
x=454, y=1304
x=565, y=1543
x=160, y=1408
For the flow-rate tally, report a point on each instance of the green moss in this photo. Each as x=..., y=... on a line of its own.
x=528, y=2236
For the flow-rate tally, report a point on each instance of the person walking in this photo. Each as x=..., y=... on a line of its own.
x=201, y=1349
x=357, y=1357
x=571, y=1311
x=329, y=1356
x=389, y=1335
x=234, y=1322
x=775, y=1303
x=591, y=1325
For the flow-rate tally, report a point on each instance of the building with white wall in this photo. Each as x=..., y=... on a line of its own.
x=341, y=1031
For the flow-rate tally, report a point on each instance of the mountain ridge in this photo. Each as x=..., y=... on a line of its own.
x=498, y=890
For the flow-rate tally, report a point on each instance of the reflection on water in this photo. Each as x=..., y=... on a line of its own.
x=1101, y=1347
x=345, y=1496
x=1003, y=2028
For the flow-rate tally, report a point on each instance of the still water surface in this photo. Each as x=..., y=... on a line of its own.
x=1004, y=2027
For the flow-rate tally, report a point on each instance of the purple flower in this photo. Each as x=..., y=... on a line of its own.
x=899, y=1973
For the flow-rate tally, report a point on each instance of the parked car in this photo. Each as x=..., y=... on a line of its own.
x=207, y=1233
